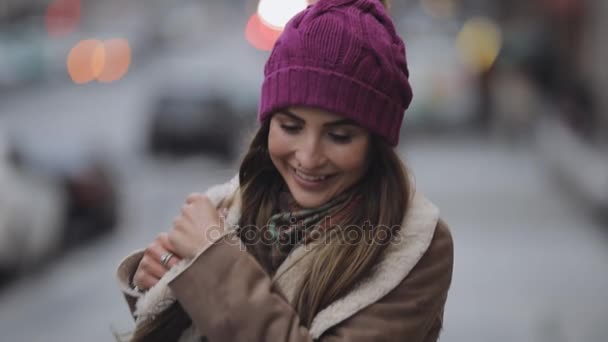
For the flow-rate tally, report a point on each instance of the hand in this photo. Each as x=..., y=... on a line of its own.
x=199, y=224
x=150, y=268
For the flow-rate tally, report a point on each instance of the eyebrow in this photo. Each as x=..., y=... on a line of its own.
x=332, y=123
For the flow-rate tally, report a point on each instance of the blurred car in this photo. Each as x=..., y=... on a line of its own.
x=31, y=215
x=45, y=211
x=186, y=121
x=92, y=203
x=206, y=98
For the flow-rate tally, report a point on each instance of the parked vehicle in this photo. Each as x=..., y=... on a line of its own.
x=31, y=215
x=46, y=210
x=205, y=99
x=186, y=121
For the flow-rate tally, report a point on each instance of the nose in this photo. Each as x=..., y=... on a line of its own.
x=309, y=154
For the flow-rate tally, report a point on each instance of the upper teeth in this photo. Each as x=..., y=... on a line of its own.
x=310, y=178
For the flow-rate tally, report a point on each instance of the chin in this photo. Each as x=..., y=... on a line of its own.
x=307, y=201
x=309, y=204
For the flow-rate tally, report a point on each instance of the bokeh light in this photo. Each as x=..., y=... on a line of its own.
x=259, y=35
x=479, y=43
x=117, y=59
x=62, y=17
x=98, y=60
x=276, y=13
x=105, y=61
x=81, y=60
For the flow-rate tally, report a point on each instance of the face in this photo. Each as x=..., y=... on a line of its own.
x=319, y=154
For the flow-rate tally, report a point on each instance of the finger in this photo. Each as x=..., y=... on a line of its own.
x=163, y=241
x=154, y=251
x=186, y=212
x=201, y=202
x=179, y=220
x=179, y=240
x=179, y=224
x=145, y=281
x=141, y=278
x=152, y=266
x=159, y=252
x=174, y=260
x=194, y=197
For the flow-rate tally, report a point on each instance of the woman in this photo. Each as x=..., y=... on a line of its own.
x=321, y=235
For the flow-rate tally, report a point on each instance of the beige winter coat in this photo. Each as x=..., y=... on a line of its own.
x=231, y=298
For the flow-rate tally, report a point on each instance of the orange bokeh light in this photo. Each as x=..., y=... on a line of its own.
x=62, y=17
x=260, y=35
x=117, y=60
x=98, y=60
x=80, y=60
x=105, y=61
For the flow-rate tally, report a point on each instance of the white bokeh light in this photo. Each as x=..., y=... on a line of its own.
x=276, y=13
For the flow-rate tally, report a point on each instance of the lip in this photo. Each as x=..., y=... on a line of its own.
x=310, y=185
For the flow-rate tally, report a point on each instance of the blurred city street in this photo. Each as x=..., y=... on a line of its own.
x=531, y=256
x=79, y=290
x=530, y=265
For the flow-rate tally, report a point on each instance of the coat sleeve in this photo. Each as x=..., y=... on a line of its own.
x=231, y=298
x=124, y=274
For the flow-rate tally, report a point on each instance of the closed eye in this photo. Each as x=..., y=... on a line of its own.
x=340, y=138
x=290, y=129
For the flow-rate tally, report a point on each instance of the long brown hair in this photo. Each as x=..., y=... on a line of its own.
x=339, y=264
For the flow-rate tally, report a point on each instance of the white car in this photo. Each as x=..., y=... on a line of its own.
x=32, y=210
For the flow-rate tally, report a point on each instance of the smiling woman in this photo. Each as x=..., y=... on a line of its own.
x=318, y=154
x=321, y=236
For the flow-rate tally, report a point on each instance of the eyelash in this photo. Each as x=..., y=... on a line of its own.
x=343, y=139
x=290, y=129
x=336, y=137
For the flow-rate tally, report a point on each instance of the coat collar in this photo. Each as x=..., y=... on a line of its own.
x=400, y=257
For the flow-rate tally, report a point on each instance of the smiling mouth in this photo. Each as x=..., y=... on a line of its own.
x=309, y=177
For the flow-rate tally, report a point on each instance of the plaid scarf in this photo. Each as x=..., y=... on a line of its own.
x=292, y=224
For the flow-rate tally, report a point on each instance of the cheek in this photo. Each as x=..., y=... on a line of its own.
x=278, y=144
x=352, y=159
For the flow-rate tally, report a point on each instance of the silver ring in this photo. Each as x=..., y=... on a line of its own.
x=164, y=259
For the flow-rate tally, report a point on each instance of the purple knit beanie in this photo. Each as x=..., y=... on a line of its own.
x=343, y=56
